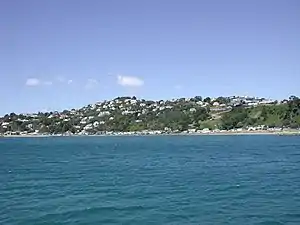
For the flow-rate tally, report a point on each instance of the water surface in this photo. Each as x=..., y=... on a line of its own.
x=150, y=180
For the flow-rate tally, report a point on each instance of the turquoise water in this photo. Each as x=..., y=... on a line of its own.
x=206, y=180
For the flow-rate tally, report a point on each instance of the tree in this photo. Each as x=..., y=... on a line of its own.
x=264, y=113
x=6, y=118
x=234, y=118
x=200, y=115
x=292, y=98
x=222, y=100
x=198, y=98
x=207, y=100
x=13, y=115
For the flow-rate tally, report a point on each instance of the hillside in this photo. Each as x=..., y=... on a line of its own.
x=129, y=114
x=279, y=115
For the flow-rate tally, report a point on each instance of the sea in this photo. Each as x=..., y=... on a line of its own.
x=172, y=180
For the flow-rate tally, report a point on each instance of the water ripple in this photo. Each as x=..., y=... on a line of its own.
x=150, y=180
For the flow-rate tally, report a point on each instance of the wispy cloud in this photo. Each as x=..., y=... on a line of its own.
x=40, y=82
x=130, y=81
x=91, y=83
x=32, y=82
x=64, y=80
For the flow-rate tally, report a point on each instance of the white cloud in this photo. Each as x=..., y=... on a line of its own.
x=39, y=82
x=91, y=83
x=33, y=82
x=130, y=81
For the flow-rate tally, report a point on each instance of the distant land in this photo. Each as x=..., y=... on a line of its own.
x=129, y=115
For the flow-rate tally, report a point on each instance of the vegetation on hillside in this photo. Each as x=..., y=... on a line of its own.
x=131, y=114
x=278, y=115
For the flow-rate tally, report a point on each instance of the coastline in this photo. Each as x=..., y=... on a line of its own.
x=212, y=133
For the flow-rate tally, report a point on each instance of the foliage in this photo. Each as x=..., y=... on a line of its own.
x=130, y=114
x=280, y=115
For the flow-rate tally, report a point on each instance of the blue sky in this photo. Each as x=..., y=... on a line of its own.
x=67, y=53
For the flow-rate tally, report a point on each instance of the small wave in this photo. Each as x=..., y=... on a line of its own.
x=270, y=223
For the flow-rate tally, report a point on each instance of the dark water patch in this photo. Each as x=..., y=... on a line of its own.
x=270, y=223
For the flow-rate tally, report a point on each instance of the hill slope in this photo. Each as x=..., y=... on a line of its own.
x=131, y=114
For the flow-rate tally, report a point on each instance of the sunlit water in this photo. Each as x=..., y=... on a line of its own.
x=150, y=180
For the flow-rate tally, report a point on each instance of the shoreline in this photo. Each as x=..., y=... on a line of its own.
x=228, y=133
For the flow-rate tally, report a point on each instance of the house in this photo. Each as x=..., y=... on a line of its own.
x=4, y=124
x=205, y=130
x=216, y=104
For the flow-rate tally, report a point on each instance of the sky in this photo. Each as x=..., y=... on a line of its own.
x=63, y=54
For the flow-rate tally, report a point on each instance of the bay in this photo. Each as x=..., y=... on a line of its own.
x=251, y=179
